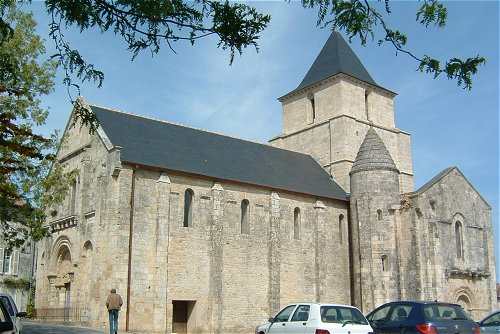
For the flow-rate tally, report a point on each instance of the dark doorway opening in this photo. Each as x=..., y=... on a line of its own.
x=180, y=316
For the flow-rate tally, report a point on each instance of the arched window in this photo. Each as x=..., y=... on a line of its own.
x=341, y=229
x=87, y=249
x=458, y=239
x=296, y=223
x=366, y=104
x=379, y=214
x=188, y=208
x=245, y=227
x=384, y=263
x=312, y=108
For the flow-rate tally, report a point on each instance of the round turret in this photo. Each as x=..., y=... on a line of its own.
x=374, y=170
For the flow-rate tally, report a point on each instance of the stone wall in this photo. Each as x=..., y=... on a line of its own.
x=343, y=116
x=19, y=267
x=469, y=278
x=233, y=280
x=236, y=279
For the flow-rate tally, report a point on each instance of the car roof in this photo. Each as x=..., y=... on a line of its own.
x=421, y=302
x=321, y=304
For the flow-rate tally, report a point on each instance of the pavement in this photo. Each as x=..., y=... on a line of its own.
x=32, y=327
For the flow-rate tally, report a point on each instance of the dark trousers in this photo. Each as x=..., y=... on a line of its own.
x=113, y=321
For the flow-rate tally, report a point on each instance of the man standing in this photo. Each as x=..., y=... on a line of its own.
x=113, y=303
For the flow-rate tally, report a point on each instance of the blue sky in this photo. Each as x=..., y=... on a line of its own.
x=197, y=87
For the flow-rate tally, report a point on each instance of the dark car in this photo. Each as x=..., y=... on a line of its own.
x=421, y=318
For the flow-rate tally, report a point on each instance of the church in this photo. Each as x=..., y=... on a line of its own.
x=205, y=233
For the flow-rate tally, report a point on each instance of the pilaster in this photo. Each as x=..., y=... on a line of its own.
x=163, y=186
x=274, y=260
x=216, y=260
x=319, y=250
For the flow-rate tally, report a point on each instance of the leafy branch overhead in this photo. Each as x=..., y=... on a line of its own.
x=360, y=18
x=148, y=25
x=29, y=182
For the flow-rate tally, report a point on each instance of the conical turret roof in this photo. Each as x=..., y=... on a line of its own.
x=373, y=155
x=336, y=57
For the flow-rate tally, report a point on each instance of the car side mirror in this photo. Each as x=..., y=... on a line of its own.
x=22, y=314
x=6, y=326
x=271, y=320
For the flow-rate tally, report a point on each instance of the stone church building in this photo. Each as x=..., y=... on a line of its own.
x=205, y=233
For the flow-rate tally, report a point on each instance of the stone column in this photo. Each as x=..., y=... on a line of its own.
x=274, y=261
x=319, y=250
x=216, y=260
x=161, y=250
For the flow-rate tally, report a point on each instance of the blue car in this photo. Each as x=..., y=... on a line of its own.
x=409, y=317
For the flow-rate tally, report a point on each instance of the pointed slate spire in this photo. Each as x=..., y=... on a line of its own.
x=373, y=155
x=336, y=57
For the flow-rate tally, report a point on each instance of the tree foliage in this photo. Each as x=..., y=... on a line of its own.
x=360, y=18
x=26, y=186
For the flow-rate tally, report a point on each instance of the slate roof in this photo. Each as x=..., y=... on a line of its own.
x=335, y=57
x=169, y=146
x=373, y=155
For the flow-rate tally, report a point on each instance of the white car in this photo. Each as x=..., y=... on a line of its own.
x=314, y=318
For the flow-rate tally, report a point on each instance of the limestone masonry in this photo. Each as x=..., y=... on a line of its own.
x=203, y=233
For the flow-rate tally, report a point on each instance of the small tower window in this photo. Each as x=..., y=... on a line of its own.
x=341, y=229
x=312, y=107
x=366, y=105
x=458, y=239
x=245, y=228
x=384, y=263
x=296, y=224
x=379, y=214
x=188, y=208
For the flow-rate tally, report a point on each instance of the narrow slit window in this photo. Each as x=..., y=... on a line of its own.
x=312, y=106
x=73, y=198
x=188, y=208
x=366, y=104
x=245, y=227
x=341, y=229
x=296, y=223
x=458, y=239
x=384, y=263
x=379, y=214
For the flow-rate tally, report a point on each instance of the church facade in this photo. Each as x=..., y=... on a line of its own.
x=204, y=233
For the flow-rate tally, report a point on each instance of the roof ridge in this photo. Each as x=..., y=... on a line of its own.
x=192, y=127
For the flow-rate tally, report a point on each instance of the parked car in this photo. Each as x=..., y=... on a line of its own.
x=6, y=323
x=14, y=314
x=491, y=324
x=421, y=318
x=314, y=318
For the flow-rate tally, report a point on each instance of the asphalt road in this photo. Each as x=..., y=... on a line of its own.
x=41, y=328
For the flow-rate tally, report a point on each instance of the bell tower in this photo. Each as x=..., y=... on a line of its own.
x=331, y=110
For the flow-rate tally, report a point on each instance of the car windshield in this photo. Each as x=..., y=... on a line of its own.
x=342, y=315
x=7, y=304
x=437, y=312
